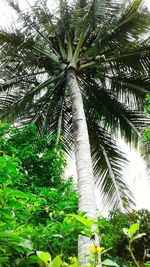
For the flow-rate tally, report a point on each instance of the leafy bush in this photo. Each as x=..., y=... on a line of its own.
x=33, y=206
x=41, y=159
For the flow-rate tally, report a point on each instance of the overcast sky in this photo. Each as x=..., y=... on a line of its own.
x=136, y=173
x=6, y=13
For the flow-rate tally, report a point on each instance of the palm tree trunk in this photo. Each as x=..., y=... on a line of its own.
x=85, y=179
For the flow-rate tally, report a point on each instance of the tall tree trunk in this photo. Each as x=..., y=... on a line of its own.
x=87, y=201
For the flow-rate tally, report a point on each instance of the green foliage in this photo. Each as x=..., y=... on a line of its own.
x=132, y=236
x=112, y=235
x=111, y=231
x=94, y=251
x=147, y=104
x=90, y=229
x=109, y=262
x=46, y=261
x=41, y=159
x=32, y=210
x=141, y=247
x=146, y=134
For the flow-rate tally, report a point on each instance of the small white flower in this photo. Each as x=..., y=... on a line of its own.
x=40, y=155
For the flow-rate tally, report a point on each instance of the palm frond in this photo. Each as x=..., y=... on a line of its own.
x=26, y=78
x=129, y=22
x=19, y=99
x=112, y=114
x=109, y=162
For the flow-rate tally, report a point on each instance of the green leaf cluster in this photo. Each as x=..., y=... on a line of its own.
x=113, y=237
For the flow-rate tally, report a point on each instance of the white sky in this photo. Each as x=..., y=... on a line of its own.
x=136, y=173
x=6, y=13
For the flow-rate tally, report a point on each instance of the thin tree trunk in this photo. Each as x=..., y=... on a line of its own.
x=85, y=179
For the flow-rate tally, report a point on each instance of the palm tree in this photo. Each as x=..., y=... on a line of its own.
x=82, y=73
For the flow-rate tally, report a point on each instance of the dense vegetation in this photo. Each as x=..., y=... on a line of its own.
x=34, y=198
x=35, y=202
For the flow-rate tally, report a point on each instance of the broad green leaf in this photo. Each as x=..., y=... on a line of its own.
x=109, y=262
x=85, y=221
x=134, y=227
x=44, y=256
x=15, y=204
x=73, y=262
x=57, y=261
x=87, y=232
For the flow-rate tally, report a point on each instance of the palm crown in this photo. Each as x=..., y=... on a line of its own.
x=106, y=43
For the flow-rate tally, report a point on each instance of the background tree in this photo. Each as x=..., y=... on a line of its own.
x=90, y=59
x=41, y=160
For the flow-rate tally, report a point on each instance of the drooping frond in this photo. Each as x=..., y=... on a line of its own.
x=112, y=114
x=22, y=99
x=119, y=23
x=109, y=162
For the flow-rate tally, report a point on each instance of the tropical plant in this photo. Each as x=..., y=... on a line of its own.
x=81, y=73
x=112, y=236
x=132, y=236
